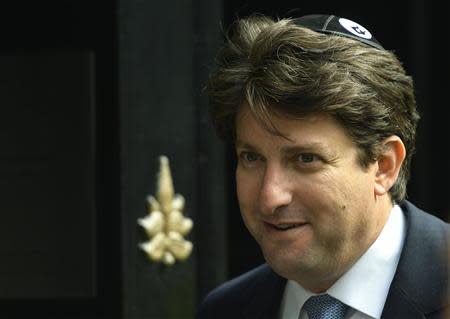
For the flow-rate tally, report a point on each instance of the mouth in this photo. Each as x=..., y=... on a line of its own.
x=284, y=226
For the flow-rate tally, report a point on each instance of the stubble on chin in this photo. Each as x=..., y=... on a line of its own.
x=315, y=270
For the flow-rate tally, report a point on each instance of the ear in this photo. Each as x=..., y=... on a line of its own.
x=389, y=162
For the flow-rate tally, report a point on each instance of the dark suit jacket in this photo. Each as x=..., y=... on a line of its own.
x=419, y=288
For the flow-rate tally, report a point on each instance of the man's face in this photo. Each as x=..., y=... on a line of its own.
x=304, y=197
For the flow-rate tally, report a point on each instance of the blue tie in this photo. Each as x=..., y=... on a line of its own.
x=325, y=307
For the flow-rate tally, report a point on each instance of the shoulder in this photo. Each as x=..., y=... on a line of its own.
x=423, y=270
x=426, y=243
x=231, y=298
x=422, y=224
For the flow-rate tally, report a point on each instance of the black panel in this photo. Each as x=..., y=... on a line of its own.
x=166, y=52
x=158, y=118
x=47, y=234
x=211, y=217
x=61, y=159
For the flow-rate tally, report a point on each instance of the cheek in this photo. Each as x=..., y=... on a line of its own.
x=329, y=198
x=247, y=190
x=247, y=193
x=347, y=198
x=321, y=191
x=348, y=186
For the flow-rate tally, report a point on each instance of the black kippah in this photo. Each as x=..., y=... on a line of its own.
x=339, y=26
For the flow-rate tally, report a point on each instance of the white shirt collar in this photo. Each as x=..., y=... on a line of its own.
x=364, y=287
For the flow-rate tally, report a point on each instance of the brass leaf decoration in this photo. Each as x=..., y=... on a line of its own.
x=165, y=224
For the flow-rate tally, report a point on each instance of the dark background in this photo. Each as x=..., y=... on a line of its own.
x=93, y=92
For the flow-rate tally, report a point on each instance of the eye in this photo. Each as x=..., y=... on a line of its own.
x=248, y=159
x=307, y=158
x=248, y=156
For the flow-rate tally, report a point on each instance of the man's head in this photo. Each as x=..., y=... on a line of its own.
x=322, y=125
x=278, y=67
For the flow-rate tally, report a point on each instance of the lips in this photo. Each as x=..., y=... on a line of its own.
x=284, y=226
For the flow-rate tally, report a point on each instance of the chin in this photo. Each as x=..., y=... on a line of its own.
x=288, y=265
x=300, y=264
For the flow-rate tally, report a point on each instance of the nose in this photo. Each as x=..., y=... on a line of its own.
x=275, y=191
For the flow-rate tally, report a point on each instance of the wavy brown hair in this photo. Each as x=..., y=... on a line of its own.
x=280, y=67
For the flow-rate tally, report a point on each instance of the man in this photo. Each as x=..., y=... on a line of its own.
x=323, y=120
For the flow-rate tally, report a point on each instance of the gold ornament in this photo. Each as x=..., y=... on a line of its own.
x=165, y=224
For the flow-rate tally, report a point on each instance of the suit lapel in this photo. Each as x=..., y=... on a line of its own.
x=398, y=305
x=420, y=283
x=266, y=298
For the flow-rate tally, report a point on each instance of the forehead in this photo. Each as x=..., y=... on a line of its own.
x=282, y=125
x=315, y=129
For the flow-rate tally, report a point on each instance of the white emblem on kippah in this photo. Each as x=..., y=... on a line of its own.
x=355, y=28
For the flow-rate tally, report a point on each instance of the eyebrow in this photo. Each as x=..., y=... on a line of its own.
x=242, y=144
x=315, y=147
x=304, y=147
